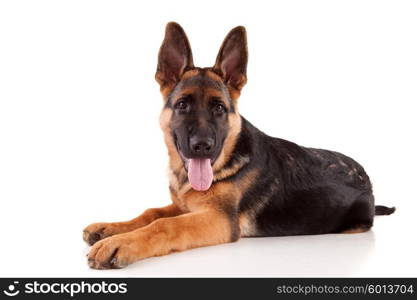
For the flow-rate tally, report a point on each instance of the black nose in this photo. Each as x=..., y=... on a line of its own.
x=201, y=147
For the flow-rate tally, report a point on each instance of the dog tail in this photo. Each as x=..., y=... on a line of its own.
x=383, y=210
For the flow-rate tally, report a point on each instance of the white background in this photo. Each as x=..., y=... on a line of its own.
x=80, y=140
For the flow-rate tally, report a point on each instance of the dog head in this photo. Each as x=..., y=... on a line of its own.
x=200, y=119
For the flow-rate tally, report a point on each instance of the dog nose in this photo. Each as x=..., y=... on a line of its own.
x=201, y=146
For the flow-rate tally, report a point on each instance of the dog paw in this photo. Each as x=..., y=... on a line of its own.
x=96, y=232
x=112, y=253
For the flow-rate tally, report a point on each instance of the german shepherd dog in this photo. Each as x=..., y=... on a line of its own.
x=227, y=178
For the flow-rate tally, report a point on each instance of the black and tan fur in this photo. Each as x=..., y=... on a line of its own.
x=262, y=186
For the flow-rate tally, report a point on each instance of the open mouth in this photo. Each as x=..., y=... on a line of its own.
x=199, y=170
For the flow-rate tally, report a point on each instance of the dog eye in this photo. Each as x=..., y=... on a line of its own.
x=181, y=105
x=219, y=109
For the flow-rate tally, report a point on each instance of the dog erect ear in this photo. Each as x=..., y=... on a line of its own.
x=174, y=57
x=232, y=60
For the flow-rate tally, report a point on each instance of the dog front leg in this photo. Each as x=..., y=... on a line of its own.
x=99, y=231
x=196, y=229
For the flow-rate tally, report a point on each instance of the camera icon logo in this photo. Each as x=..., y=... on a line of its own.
x=11, y=289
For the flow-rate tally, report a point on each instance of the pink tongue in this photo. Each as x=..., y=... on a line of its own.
x=200, y=173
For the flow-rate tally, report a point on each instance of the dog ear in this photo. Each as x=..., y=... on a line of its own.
x=232, y=60
x=174, y=56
